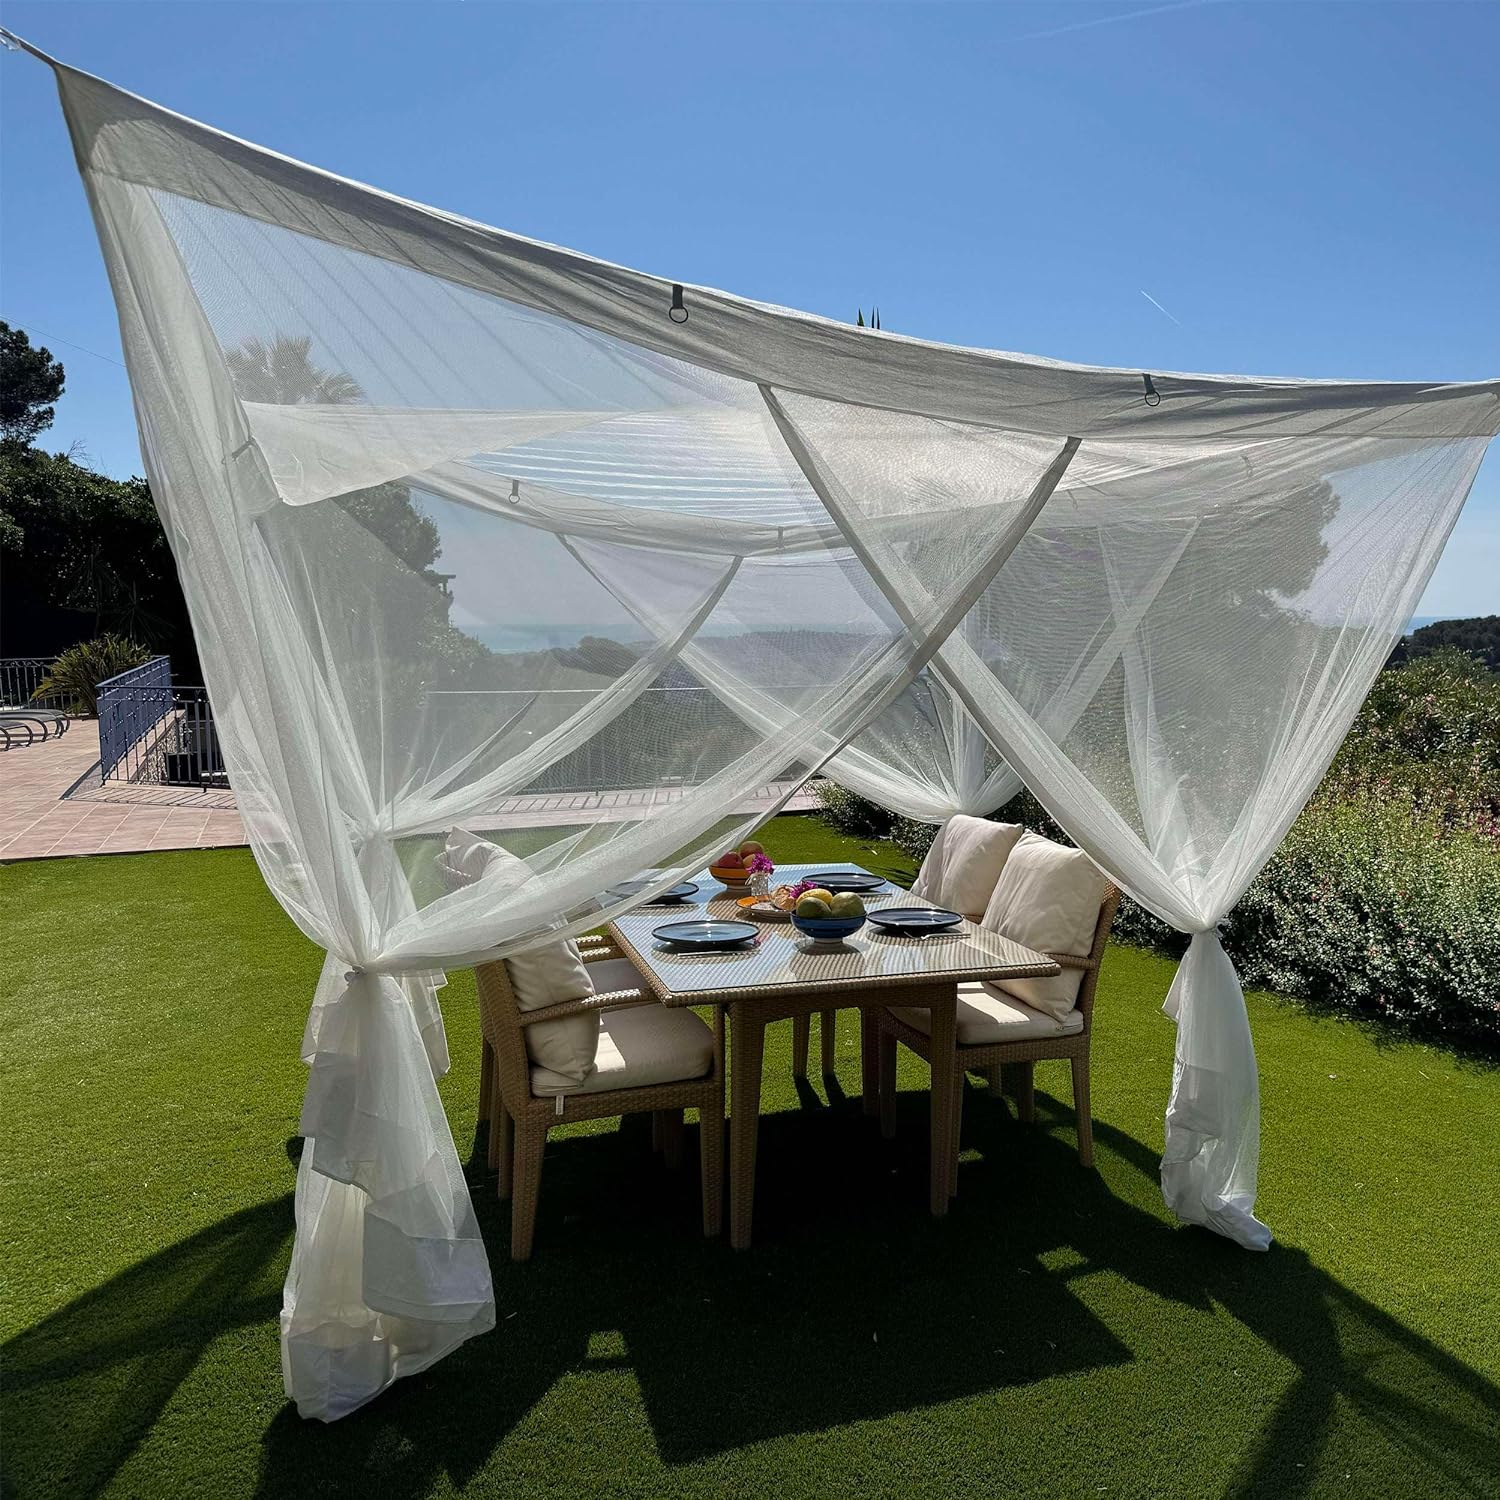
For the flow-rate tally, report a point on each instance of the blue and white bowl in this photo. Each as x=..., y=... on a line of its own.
x=828, y=929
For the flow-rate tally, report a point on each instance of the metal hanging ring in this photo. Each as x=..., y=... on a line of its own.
x=1153, y=396
x=677, y=312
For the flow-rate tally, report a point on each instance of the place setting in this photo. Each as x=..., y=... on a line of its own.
x=706, y=935
x=677, y=895
x=916, y=923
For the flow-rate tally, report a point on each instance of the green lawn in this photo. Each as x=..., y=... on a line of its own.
x=1056, y=1335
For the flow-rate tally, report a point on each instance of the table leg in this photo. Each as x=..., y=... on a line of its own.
x=828, y=1029
x=943, y=1040
x=869, y=1061
x=747, y=1046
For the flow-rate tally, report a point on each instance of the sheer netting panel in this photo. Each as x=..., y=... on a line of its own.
x=920, y=500
x=931, y=510
x=487, y=556
x=1225, y=633
x=1184, y=653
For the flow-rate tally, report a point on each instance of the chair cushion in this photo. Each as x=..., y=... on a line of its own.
x=1048, y=897
x=964, y=863
x=638, y=1047
x=542, y=976
x=988, y=1016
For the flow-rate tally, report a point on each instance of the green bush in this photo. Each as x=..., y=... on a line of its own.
x=1368, y=909
x=851, y=814
x=74, y=678
x=1427, y=739
x=912, y=837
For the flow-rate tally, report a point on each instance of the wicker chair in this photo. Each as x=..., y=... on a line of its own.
x=1020, y=1056
x=519, y=1119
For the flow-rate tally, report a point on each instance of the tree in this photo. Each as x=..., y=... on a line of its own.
x=282, y=373
x=30, y=383
x=84, y=554
x=1479, y=636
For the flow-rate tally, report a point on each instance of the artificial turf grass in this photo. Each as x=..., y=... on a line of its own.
x=1054, y=1335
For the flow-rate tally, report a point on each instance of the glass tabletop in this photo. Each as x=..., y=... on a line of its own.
x=785, y=958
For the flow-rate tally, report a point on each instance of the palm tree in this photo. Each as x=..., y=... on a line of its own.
x=282, y=373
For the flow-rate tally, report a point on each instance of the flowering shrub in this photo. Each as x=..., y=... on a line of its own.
x=1427, y=739
x=1365, y=908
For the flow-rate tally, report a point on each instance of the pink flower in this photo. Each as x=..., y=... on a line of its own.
x=759, y=864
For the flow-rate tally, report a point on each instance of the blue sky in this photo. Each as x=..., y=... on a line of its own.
x=1226, y=185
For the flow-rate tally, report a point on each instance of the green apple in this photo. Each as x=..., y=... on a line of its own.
x=847, y=904
x=812, y=906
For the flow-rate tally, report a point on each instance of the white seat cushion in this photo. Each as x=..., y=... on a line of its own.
x=638, y=1047
x=964, y=863
x=988, y=1016
x=1048, y=898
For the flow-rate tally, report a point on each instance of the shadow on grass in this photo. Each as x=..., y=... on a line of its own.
x=84, y=1387
x=854, y=1304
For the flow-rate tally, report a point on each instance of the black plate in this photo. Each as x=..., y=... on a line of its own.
x=707, y=933
x=913, y=920
x=678, y=893
x=845, y=880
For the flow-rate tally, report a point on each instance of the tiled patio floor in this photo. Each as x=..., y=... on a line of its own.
x=52, y=804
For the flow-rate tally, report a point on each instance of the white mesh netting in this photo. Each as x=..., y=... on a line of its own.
x=461, y=517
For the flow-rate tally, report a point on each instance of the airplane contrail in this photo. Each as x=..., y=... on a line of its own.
x=1129, y=15
x=1157, y=305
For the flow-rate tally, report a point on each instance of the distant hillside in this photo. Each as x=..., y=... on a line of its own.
x=1479, y=636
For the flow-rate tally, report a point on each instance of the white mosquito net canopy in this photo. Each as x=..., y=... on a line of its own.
x=394, y=448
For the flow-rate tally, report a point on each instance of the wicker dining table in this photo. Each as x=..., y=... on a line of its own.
x=787, y=975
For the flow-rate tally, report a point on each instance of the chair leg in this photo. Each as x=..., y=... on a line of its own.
x=801, y=1036
x=1081, y=1109
x=711, y=1164
x=1025, y=1092
x=486, y=1080
x=531, y=1143
x=996, y=1078
x=503, y=1134
x=887, y=1064
x=830, y=1020
x=498, y=1155
x=671, y=1137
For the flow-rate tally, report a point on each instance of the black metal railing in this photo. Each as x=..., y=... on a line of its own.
x=133, y=706
x=158, y=732
x=20, y=677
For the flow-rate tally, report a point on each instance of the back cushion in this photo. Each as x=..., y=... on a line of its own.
x=965, y=862
x=542, y=976
x=1048, y=897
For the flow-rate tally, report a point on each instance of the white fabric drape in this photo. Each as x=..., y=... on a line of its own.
x=459, y=516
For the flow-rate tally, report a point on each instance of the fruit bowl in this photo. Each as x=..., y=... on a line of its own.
x=828, y=929
x=735, y=875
